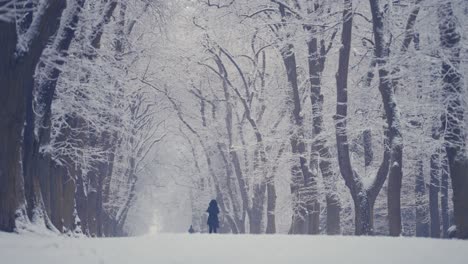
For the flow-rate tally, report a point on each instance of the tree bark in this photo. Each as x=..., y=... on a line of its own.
x=11, y=123
x=422, y=226
x=444, y=197
x=367, y=143
x=19, y=194
x=434, y=187
x=271, y=207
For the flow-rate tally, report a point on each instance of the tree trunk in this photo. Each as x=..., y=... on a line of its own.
x=16, y=75
x=364, y=213
x=332, y=196
x=444, y=197
x=367, y=143
x=434, y=187
x=393, y=122
x=333, y=215
x=233, y=156
x=89, y=193
x=311, y=194
x=271, y=206
x=458, y=173
x=298, y=171
x=363, y=198
x=320, y=153
x=258, y=208
x=271, y=193
x=39, y=162
x=422, y=226
x=236, y=210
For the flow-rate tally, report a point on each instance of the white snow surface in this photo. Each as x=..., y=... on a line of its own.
x=224, y=249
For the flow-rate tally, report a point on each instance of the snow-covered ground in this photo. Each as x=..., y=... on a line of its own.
x=223, y=249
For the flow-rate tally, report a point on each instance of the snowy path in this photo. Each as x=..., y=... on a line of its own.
x=224, y=249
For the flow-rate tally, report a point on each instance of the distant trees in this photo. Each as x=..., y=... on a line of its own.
x=302, y=35
x=453, y=92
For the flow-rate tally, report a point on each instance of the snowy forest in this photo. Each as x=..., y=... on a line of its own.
x=331, y=117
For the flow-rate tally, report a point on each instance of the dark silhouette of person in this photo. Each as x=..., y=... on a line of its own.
x=213, y=211
x=191, y=230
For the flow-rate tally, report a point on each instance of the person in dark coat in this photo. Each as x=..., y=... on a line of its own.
x=191, y=230
x=213, y=211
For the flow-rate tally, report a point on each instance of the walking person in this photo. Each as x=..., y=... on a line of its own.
x=213, y=221
x=191, y=230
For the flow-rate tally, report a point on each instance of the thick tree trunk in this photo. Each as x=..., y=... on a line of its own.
x=312, y=195
x=258, y=209
x=80, y=200
x=333, y=215
x=364, y=213
x=11, y=124
x=271, y=206
x=16, y=75
x=458, y=173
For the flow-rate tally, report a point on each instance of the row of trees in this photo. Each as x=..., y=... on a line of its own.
x=74, y=129
x=301, y=92
x=298, y=116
